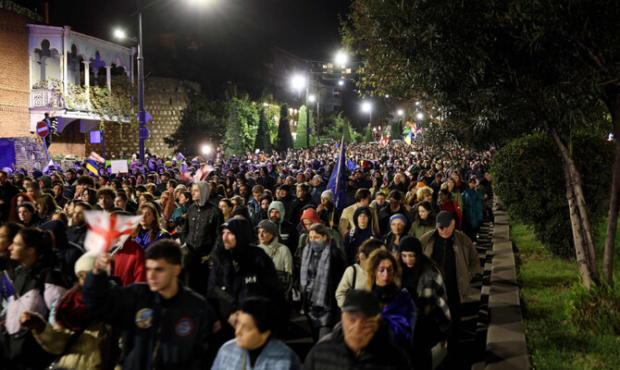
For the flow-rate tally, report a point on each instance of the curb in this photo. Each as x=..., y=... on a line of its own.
x=506, y=348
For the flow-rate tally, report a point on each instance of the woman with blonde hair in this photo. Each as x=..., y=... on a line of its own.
x=149, y=229
x=382, y=278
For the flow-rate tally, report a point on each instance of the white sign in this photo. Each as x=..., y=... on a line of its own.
x=119, y=166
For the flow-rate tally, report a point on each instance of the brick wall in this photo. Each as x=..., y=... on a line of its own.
x=14, y=76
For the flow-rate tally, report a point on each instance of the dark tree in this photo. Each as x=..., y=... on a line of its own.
x=262, y=134
x=284, y=131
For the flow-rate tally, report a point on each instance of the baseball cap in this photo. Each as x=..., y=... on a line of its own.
x=362, y=301
x=444, y=219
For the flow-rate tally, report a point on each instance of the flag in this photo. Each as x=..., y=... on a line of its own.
x=6, y=287
x=351, y=165
x=338, y=180
x=203, y=172
x=180, y=157
x=385, y=140
x=91, y=166
x=96, y=157
x=409, y=137
x=48, y=167
x=385, y=181
x=337, y=146
x=107, y=230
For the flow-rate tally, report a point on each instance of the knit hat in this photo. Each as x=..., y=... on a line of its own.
x=268, y=226
x=87, y=262
x=409, y=243
x=398, y=216
x=28, y=205
x=328, y=195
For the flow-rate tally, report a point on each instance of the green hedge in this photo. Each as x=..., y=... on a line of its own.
x=529, y=180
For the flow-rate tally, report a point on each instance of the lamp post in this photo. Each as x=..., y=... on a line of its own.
x=367, y=107
x=120, y=34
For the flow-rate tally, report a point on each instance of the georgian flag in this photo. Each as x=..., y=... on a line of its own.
x=96, y=157
x=107, y=230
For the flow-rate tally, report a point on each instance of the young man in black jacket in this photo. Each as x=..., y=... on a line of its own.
x=165, y=324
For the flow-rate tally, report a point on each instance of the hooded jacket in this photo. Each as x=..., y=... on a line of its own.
x=288, y=233
x=312, y=215
x=246, y=270
x=356, y=236
x=67, y=252
x=202, y=224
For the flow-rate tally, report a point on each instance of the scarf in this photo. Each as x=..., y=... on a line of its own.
x=400, y=318
x=318, y=297
x=71, y=312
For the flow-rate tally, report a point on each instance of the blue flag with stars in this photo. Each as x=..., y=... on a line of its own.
x=351, y=165
x=6, y=287
x=338, y=180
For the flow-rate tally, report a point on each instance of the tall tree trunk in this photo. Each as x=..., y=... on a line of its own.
x=613, y=104
x=582, y=260
x=580, y=202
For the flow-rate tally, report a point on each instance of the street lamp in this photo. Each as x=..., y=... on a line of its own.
x=400, y=112
x=341, y=58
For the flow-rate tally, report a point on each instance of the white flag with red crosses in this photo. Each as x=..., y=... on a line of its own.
x=107, y=230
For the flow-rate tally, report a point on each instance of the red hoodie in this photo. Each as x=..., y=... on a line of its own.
x=310, y=214
x=129, y=263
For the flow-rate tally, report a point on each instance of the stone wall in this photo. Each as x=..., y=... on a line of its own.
x=14, y=76
x=26, y=152
x=165, y=100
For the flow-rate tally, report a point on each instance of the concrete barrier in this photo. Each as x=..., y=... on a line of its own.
x=506, y=348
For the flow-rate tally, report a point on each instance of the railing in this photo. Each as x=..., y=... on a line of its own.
x=42, y=98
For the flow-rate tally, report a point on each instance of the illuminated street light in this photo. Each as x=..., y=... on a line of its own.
x=341, y=83
x=341, y=58
x=367, y=107
x=298, y=82
x=417, y=103
x=311, y=98
x=206, y=149
x=400, y=112
x=420, y=116
x=119, y=34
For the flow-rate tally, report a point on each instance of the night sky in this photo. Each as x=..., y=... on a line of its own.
x=215, y=42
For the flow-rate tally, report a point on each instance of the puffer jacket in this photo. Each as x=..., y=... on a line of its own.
x=38, y=288
x=467, y=260
x=202, y=224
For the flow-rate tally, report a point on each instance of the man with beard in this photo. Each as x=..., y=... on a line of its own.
x=77, y=232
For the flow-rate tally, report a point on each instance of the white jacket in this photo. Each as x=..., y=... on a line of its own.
x=279, y=254
x=346, y=283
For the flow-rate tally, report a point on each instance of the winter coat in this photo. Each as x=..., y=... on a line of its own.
x=90, y=350
x=288, y=233
x=67, y=252
x=473, y=214
x=202, y=224
x=329, y=214
x=145, y=234
x=297, y=207
x=38, y=288
x=467, y=260
x=153, y=337
x=279, y=254
x=129, y=263
x=316, y=193
x=347, y=217
x=332, y=353
x=354, y=277
x=457, y=197
x=384, y=218
x=419, y=228
x=274, y=356
x=77, y=235
x=251, y=274
x=354, y=238
x=288, y=202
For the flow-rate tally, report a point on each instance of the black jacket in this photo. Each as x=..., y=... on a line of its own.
x=77, y=235
x=384, y=218
x=253, y=273
x=202, y=228
x=7, y=192
x=153, y=337
x=297, y=206
x=288, y=202
x=380, y=354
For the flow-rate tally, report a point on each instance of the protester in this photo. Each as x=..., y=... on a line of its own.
x=360, y=232
x=473, y=214
x=288, y=234
x=322, y=266
x=8, y=231
x=28, y=215
x=149, y=230
x=77, y=232
x=37, y=285
x=361, y=340
x=457, y=258
x=355, y=276
x=347, y=220
x=424, y=219
x=158, y=318
x=423, y=280
x=391, y=240
x=279, y=253
x=255, y=346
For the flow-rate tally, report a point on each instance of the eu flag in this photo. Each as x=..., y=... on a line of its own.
x=6, y=287
x=338, y=180
x=351, y=165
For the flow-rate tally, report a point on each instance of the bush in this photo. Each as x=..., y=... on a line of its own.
x=595, y=311
x=529, y=180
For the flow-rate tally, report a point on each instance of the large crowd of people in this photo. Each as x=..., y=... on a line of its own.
x=229, y=248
